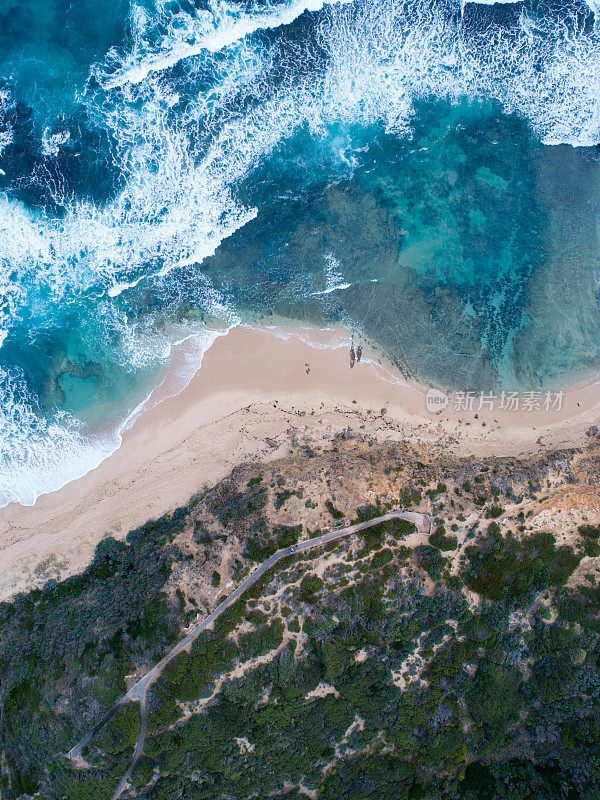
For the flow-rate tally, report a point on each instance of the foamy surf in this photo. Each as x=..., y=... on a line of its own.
x=220, y=26
x=39, y=455
x=6, y=131
x=464, y=3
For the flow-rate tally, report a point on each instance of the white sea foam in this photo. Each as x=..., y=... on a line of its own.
x=179, y=199
x=6, y=130
x=594, y=6
x=178, y=202
x=197, y=344
x=334, y=279
x=189, y=35
x=336, y=339
x=52, y=142
x=40, y=455
x=384, y=56
x=330, y=289
x=5, y=139
x=117, y=288
x=464, y=3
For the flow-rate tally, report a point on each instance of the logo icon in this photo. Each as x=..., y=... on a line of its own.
x=436, y=401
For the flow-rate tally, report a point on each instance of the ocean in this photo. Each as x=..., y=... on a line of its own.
x=423, y=172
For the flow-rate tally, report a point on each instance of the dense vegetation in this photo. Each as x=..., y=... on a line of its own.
x=373, y=679
x=472, y=722
x=65, y=651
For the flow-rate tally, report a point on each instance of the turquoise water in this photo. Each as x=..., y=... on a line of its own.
x=423, y=171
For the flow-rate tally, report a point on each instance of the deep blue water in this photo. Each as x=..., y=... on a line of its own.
x=423, y=171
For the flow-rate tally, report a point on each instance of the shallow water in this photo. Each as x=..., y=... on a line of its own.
x=423, y=171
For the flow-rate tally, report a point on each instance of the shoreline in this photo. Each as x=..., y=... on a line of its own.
x=257, y=392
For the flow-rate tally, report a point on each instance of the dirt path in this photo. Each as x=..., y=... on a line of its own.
x=139, y=691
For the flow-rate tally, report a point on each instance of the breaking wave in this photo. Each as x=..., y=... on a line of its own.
x=41, y=453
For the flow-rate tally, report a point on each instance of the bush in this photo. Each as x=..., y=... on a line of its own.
x=364, y=513
x=591, y=548
x=441, y=488
x=495, y=696
x=335, y=513
x=399, y=527
x=430, y=560
x=590, y=531
x=287, y=535
x=123, y=729
x=282, y=497
x=309, y=586
x=494, y=511
x=259, y=549
x=381, y=558
x=231, y=505
x=508, y=568
x=439, y=539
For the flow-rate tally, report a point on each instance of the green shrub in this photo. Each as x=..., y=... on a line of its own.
x=439, y=539
x=335, y=513
x=282, y=497
x=381, y=558
x=441, y=488
x=430, y=560
x=591, y=548
x=286, y=535
x=231, y=505
x=590, y=531
x=364, y=513
x=309, y=586
x=494, y=696
x=494, y=511
x=259, y=549
x=122, y=731
x=506, y=567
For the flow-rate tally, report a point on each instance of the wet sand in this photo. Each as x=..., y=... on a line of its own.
x=258, y=393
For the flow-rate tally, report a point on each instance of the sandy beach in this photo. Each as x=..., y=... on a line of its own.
x=259, y=393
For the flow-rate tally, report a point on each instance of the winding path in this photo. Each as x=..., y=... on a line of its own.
x=139, y=691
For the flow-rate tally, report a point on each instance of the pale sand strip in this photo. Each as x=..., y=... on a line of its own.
x=255, y=386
